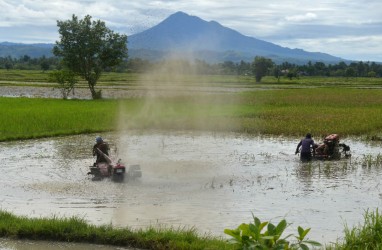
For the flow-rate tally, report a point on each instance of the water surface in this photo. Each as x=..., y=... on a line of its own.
x=196, y=180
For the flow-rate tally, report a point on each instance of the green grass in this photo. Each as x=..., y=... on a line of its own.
x=320, y=111
x=365, y=236
x=25, y=118
x=289, y=112
x=319, y=81
x=23, y=75
x=39, y=78
x=75, y=229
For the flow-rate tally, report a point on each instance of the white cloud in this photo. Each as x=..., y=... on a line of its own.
x=347, y=47
x=323, y=25
x=302, y=18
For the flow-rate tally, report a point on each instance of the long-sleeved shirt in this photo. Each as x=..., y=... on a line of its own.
x=305, y=145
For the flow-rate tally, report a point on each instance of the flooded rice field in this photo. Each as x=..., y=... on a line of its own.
x=195, y=180
x=115, y=92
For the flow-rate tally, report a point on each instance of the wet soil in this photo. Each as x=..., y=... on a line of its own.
x=205, y=181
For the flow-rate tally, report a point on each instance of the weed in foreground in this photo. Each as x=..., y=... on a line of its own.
x=253, y=236
x=366, y=237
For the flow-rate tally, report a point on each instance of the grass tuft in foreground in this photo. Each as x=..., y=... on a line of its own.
x=367, y=236
x=77, y=230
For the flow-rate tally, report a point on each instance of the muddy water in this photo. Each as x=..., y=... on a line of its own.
x=205, y=181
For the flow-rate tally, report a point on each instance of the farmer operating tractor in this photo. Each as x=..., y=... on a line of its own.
x=329, y=149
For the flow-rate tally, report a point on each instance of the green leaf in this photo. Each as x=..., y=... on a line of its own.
x=279, y=247
x=262, y=225
x=257, y=221
x=281, y=227
x=313, y=243
x=300, y=231
x=254, y=231
x=304, y=247
x=243, y=227
x=271, y=229
x=268, y=237
x=283, y=241
x=234, y=233
x=305, y=233
x=244, y=238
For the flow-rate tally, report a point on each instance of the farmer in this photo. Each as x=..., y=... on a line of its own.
x=307, y=145
x=104, y=147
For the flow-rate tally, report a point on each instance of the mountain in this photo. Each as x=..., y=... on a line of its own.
x=181, y=33
x=17, y=50
x=185, y=36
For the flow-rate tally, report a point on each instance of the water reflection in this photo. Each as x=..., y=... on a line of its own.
x=206, y=181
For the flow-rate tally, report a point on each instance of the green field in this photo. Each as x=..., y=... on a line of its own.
x=111, y=78
x=288, y=112
x=24, y=118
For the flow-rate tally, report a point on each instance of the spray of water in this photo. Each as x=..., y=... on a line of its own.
x=175, y=98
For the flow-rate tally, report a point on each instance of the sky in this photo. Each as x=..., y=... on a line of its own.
x=350, y=29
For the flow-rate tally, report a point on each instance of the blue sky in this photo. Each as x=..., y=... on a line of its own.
x=351, y=29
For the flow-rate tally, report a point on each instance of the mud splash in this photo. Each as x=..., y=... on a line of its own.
x=191, y=180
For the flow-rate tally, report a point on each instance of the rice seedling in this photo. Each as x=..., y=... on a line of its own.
x=287, y=112
x=368, y=161
x=24, y=118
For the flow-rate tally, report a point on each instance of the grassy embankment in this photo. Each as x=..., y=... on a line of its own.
x=290, y=112
x=77, y=230
x=74, y=229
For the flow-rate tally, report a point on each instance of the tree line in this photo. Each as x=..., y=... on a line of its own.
x=28, y=63
x=137, y=65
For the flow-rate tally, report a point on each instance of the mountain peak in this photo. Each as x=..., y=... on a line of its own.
x=181, y=33
x=181, y=16
x=192, y=37
x=178, y=14
x=181, y=22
